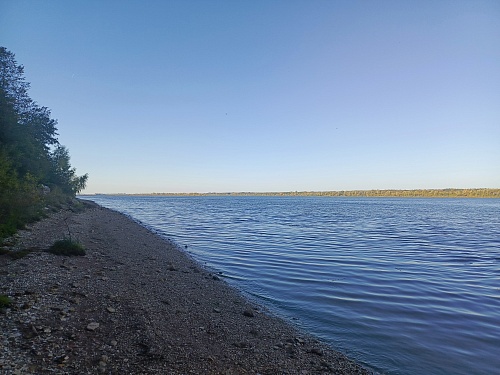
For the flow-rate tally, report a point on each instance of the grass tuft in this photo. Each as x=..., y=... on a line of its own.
x=20, y=254
x=5, y=301
x=16, y=254
x=67, y=247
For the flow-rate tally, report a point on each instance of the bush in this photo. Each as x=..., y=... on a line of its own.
x=67, y=247
x=4, y=301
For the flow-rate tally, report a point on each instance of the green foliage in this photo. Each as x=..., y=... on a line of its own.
x=4, y=301
x=19, y=254
x=63, y=175
x=31, y=158
x=67, y=247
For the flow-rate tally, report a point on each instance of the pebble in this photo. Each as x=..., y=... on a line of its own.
x=92, y=326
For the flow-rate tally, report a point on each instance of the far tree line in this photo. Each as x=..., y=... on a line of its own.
x=415, y=193
x=35, y=170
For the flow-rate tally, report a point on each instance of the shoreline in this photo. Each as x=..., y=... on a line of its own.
x=137, y=304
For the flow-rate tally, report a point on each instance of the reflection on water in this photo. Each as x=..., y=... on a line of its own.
x=406, y=286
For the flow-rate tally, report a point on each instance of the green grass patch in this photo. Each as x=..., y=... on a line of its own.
x=19, y=254
x=16, y=254
x=5, y=301
x=67, y=247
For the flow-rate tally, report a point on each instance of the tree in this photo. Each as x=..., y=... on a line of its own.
x=30, y=153
x=63, y=175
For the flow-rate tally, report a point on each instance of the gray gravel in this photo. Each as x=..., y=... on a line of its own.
x=136, y=304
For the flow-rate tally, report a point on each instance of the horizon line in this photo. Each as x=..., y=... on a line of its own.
x=309, y=192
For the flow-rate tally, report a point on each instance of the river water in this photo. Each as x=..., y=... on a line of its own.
x=403, y=286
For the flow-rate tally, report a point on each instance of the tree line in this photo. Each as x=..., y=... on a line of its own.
x=412, y=193
x=35, y=169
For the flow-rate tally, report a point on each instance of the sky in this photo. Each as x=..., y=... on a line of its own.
x=231, y=96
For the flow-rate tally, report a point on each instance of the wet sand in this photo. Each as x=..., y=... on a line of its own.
x=137, y=304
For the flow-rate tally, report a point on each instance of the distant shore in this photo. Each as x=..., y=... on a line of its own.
x=387, y=193
x=135, y=303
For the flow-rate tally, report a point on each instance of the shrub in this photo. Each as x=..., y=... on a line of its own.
x=4, y=301
x=67, y=247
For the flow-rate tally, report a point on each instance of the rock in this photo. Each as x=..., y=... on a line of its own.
x=102, y=367
x=62, y=359
x=249, y=313
x=316, y=351
x=92, y=326
x=111, y=309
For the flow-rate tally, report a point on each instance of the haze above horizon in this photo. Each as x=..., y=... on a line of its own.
x=198, y=96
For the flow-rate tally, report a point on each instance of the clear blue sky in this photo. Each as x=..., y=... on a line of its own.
x=199, y=96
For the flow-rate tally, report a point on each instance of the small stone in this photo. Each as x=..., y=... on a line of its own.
x=62, y=359
x=248, y=313
x=217, y=310
x=26, y=306
x=114, y=343
x=92, y=326
x=316, y=351
x=102, y=366
x=111, y=309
